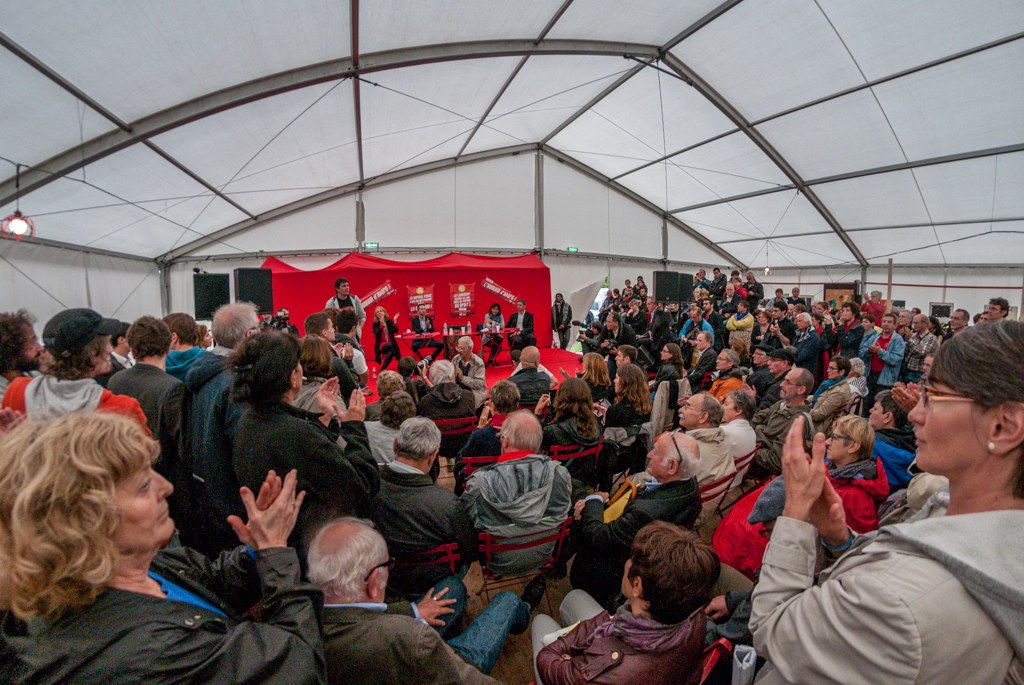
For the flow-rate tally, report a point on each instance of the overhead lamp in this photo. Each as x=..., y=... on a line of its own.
x=767, y=271
x=17, y=224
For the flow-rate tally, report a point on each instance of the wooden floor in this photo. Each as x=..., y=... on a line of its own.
x=515, y=665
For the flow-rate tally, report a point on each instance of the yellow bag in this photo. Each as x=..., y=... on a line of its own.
x=617, y=502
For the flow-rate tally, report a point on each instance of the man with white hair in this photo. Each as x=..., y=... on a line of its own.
x=701, y=415
x=522, y=494
x=415, y=515
x=470, y=371
x=446, y=399
x=808, y=344
x=672, y=495
x=363, y=644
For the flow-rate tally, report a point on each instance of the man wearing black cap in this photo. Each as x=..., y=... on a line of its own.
x=779, y=364
x=79, y=341
x=761, y=375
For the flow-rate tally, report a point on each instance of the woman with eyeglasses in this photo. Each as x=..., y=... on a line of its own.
x=90, y=593
x=939, y=599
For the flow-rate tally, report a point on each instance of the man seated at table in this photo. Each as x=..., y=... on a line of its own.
x=523, y=320
x=421, y=323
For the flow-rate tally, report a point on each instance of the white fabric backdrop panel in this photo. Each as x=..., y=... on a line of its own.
x=46, y=280
x=683, y=248
x=327, y=226
x=575, y=210
x=635, y=231
x=123, y=289
x=579, y=280
x=494, y=203
x=417, y=212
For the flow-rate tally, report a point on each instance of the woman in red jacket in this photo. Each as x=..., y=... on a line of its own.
x=858, y=478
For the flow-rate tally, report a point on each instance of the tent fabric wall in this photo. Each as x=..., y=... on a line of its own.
x=46, y=280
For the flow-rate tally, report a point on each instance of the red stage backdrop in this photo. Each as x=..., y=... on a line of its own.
x=396, y=286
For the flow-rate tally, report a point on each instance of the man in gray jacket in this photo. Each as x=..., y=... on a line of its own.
x=523, y=494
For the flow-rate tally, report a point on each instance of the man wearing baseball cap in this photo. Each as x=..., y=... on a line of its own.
x=79, y=342
x=780, y=362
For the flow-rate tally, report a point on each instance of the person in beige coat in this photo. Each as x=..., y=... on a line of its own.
x=938, y=599
x=701, y=416
x=832, y=396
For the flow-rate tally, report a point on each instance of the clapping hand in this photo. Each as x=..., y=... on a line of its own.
x=327, y=399
x=272, y=515
x=906, y=396
x=809, y=494
x=356, y=408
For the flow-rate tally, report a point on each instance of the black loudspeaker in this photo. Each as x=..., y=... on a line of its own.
x=686, y=287
x=256, y=286
x=210, y=291
x=666, y=286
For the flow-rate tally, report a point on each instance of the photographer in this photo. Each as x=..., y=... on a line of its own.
x=281, y=323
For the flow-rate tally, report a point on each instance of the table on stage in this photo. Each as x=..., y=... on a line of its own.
x=451, y=340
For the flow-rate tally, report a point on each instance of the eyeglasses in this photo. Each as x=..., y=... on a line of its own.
x=686, y=406
x=929, y=392
x=839, y=436
x=386, y=564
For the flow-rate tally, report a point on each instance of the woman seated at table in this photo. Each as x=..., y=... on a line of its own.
x=93, y=597
x=493, y=325
x=656, y=637
x=384, y=332
x=595, y=375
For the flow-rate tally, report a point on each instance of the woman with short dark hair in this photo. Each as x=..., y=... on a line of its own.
x=274, y=434
x=656, y=637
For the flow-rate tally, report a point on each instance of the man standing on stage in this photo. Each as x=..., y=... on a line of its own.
x=343, y=300
x=561, y=320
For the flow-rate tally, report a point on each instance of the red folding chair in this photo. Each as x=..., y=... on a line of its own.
x=492, y=544
x=454, y=435
x=713, y=654
x=442, y=554
x=711, y=491
x=568, y=453
x=742, y=464
x=471, y=464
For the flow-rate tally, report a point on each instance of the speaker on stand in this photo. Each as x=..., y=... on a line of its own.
x=209, y=292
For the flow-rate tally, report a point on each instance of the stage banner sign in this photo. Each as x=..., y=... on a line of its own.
x=420, y=295
x=383, y=290
x=501, y=291
x=462, y=298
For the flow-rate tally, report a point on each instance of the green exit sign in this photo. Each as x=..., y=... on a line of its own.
x=573, y=249
x=371, y=246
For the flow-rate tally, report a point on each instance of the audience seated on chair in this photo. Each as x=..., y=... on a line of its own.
x=737, y=411
x=701, y=416
x=414, y=515
x=315, y=357
x=523, y=493
x=469, y=370
x=571, y=423
x=446, y=399
x=895, y=442
x=833, y=395
x=364, y=644
x=485, y=440
x=531, y=381
x=728, y=375
x=705, y=362
x=394, y=411
x=387, y=383
x=656, y=637
x=670, y=495
x=772, y=424
x=409, y=371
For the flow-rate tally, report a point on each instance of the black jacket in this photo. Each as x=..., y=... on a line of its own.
x=414, y=515
x=660, y=328
x=378, y=336
x=526, y=324
x=532, y=384
x=337, y=482
x=604, y=547
x=623, y=335
x=772, y=393
x=847, y=342
x=129, y=637
x=705, y=364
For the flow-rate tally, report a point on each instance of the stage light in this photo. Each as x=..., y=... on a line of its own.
x=17, y=225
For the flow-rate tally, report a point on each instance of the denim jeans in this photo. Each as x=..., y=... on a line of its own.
x=457, y=591
x=482, y=641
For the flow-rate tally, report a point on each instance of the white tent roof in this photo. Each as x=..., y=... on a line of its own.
x=821, y=131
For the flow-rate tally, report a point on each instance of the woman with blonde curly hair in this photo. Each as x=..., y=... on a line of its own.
x=83, y=524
